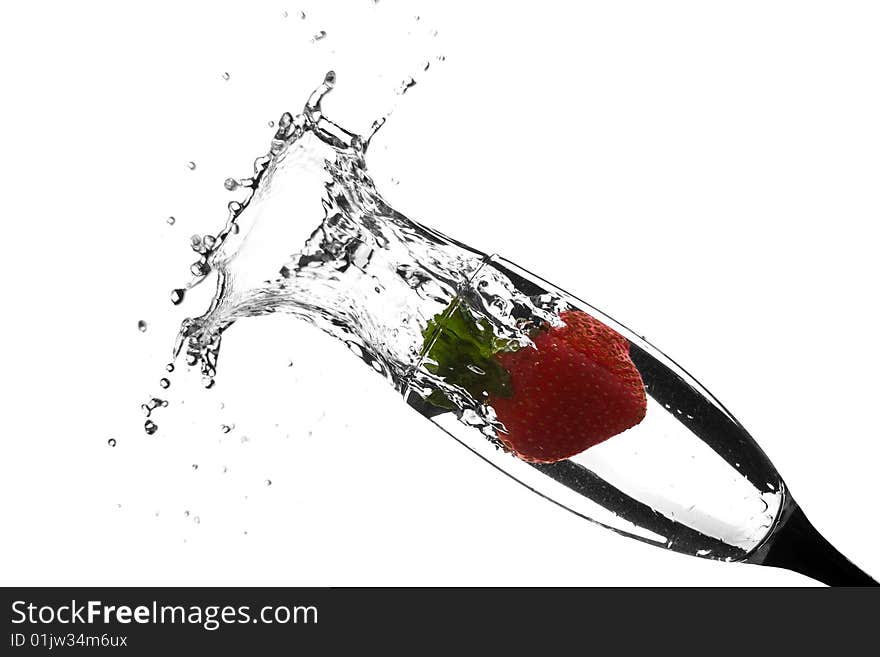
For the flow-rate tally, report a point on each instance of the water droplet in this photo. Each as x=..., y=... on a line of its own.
x=230, y=184
x=284, y=14
x=197, y=520
x=177, y=296
x=319, y=36
x=170, y=221
x=186, y=514
x=225, y=469
x=302, y=15
x=225, y=428
x=207, y=382
x=268, y=482
x=191, y=165
x=406, y=85
x=142, y=326
x=164, y=383
x=271, y=124
x=195, y=466
x=150, y=427
x=426, y=65
x=245, y=439
x=225, y=75
x=169, y=367
x=112, y=442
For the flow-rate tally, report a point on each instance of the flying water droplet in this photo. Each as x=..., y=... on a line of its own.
x=191, y=165
x=271, y=124
x=302, y=15
x=268, y=482
x=169, y=367
x=320, y=35
x=112, y=442
x=225, y=428
x=406, y=85
x=170, y=221
x=225, y=75
x=142, y=326
x=150, y=427
x=231, y=184
x=195, y=466
x=164, y=383
x=177, y=296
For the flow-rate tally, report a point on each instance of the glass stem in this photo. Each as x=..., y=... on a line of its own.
x=798, y=546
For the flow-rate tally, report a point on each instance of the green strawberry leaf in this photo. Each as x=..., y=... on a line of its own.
x=463, y=353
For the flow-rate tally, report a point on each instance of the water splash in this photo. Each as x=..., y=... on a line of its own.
x=366, y=274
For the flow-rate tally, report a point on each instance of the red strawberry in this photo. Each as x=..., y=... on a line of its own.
x=575, y=389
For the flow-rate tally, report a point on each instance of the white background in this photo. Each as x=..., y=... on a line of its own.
x=705, y=172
